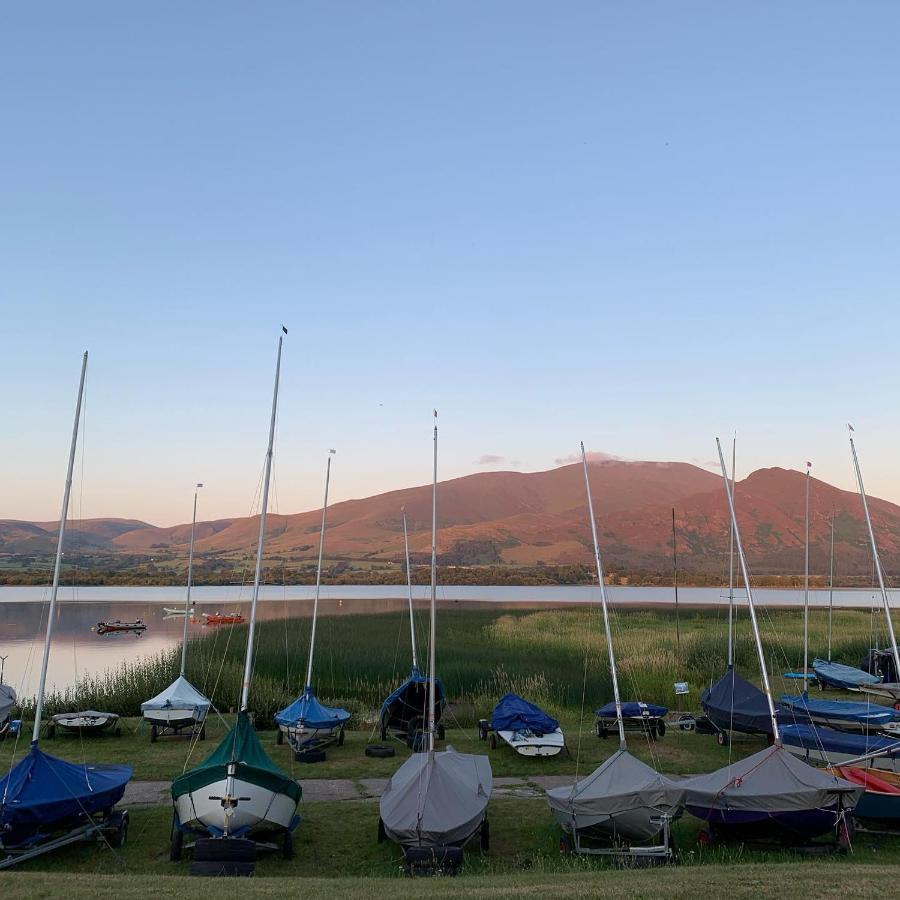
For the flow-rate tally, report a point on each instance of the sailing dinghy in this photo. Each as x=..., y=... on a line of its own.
x=624, y=803
x=83, y=723
x=525, y=727
x=7, y=702
x=404, y=710
x=771, y=794
x=309, y=725
x=47, y=803
x=180, y=708
x=237, y=799
x=437, y=800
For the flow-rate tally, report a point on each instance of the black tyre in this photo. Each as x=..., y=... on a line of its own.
x=310, y=756
x=661, y=728
x=340, y=740
x=287, y=846
x=176, y=845
x=485, y=836
x=118, y=829
x=231, y=850
x=492, y=741
x=203, y=732
x=441, y=732
x=380, y=751
x=382, y=834
x=722, y=738
x=153, y=734
x=279, y=737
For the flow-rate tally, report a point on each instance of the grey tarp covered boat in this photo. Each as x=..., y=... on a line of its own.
x=623, y=797
x=770, y=790
x=7, y=701
x=437, y=799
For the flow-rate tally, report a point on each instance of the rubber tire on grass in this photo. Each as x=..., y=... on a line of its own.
x=722, y=738
x=660, y=728
x=382, y=834
x=310, y=756
x=153, y=734
x=224, y=850
x=176, y=845
x=485, y=836
x=118, y=826
x=380, y=751
x=492, y=742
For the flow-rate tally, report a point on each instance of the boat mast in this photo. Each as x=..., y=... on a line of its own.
x=831, y=585
x=731, y=564
x=51, y=615
x=675, y=572
x=432, y=670
x=412, y=624
x=806, y=590
x=315, y=616
x=609, y=644
x=875, y=559
x=264, y=505
x=759, y=650
x=187, y=602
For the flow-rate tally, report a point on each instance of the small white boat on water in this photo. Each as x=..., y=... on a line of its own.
x=172, y=611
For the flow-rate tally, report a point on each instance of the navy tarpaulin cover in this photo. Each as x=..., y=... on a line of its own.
x=839, y=675
x=415, y=683
x=307, y=711
x=735, y=704
x=830, y=740
x=513, y=713
x=840, y=710
x=42, y=794
x=633, y=709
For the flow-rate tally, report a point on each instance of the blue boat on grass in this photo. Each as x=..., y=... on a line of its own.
x=836, y=748
x=837, y=675
x=525, y=727
x=846, y=715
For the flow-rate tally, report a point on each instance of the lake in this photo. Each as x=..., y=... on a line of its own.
x=78, y=651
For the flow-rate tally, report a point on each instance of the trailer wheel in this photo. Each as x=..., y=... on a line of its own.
x=565, y=845
x=279, y=737
x=380, y=751
x=485, y=836
x=153, y=734
x=722, y=738
x=118, y=827
x=176, y=847
x=492, y=741
x=661, y=728
x=287, y=846
x=382, y=834
x=340, y=740
x=203, y=732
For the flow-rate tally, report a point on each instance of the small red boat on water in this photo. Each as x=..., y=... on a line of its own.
x=223, y=618
x=136, y=626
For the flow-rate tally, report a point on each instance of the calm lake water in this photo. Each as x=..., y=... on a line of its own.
x=78, y=651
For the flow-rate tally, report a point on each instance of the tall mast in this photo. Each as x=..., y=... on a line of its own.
x=875, y=559
x=432, y=668
x=251, y=631
x=412, y=624
x=831, y=585
x=675, y=573
x=315, y=617
x=187, y=602
x=806, y=589
x=51, y=615
x=759, y=650
x=606, y=628
x=731, y=563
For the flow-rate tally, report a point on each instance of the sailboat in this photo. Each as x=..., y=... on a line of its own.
x=831, y=714
x=770, y=794
x=733, y=703
x=180, y=706
x=237, y=795
x=45, y=802
x=623, y=800
x=403, y=711
x=437, y=800
x=307, y=723
x=7, y=702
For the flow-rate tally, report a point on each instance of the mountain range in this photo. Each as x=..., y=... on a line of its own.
x=533, y=519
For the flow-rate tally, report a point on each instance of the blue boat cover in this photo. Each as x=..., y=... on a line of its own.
x=824, y=739
x=180, y=694
x=42, y=794
x=839, y=675
x=633, y=709
x=844, y=710
x=306, y=710
x=513, y=713
x=415, y=679
x=735, y=704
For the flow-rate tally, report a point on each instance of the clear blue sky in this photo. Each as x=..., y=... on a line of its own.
x=637, y=224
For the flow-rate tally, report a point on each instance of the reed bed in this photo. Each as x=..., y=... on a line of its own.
x=556, y=658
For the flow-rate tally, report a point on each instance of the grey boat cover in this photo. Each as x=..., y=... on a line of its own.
x=180, y=694
x=772, y=780
x=437, y=799
x=615, y=792
x=7, y=701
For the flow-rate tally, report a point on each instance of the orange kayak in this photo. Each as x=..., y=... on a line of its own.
x=223, y=618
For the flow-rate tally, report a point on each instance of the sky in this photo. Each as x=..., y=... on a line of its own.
x=640, y=225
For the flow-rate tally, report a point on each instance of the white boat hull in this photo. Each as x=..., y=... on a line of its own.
x=256, y=810
x=173, y=718
x=526, y=743
x=300, y=734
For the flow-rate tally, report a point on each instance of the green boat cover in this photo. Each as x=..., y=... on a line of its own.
x=242, y=747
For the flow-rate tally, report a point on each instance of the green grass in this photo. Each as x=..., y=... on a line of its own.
x=555, y=657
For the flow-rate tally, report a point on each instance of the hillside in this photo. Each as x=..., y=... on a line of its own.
x=524, y=520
